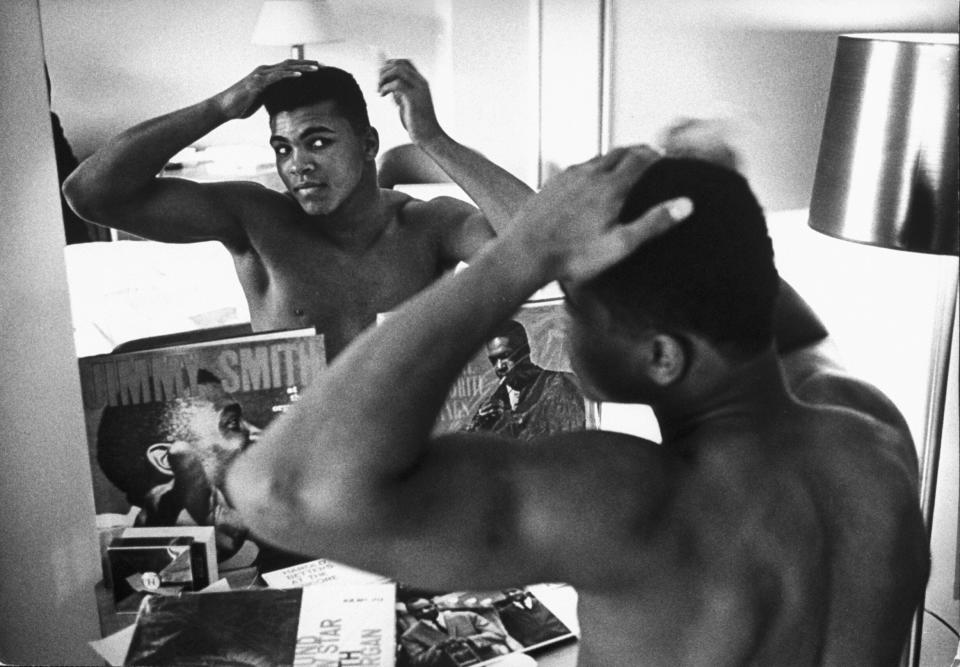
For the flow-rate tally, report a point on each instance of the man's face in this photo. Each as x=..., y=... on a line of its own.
x=219, y=432
x=320, y=158
x=502, y=353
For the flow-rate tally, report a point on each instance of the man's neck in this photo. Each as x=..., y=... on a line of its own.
x=753, y=391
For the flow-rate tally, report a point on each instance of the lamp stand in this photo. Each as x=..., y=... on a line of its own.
x=933, y=430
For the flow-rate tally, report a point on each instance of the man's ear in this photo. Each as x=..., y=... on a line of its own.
x=667, y=359
x=157, y=455
x=371, y=143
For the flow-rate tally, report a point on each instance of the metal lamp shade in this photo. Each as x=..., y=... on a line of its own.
x=887, y=169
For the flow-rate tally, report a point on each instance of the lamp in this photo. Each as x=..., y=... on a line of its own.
x=887, y=176
x=293, y=23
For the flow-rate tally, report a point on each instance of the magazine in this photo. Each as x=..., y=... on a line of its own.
x=163, y=424
x=324, y=626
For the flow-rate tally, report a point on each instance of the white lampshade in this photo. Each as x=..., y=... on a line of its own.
x=293, y=23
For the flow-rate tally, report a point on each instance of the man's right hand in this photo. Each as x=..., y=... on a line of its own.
x=572, y=225
x=244, y=97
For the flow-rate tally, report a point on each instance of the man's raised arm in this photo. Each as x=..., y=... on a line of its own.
x=118, y=186
x=498, y=193
x=351, y=471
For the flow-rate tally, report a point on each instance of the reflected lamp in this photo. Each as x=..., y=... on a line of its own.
x=293, y=23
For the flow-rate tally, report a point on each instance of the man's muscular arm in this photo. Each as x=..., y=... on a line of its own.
x=497, y=192
x=118, y=186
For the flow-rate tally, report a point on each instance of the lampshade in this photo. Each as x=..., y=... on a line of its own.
x=887, y=169
x=292, y=22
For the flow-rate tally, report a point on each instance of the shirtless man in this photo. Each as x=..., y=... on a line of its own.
x=764, y=530
x=333, y=251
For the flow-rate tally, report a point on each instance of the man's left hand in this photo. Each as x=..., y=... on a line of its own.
x=411, y=92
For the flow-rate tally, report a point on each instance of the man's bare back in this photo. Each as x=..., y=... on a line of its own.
x=752, y=560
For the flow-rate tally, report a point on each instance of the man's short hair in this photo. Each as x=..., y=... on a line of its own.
x=712, y=275
x=325, y=84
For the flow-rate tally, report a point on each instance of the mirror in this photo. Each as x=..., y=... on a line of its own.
x=114, y=64
x=172, y=54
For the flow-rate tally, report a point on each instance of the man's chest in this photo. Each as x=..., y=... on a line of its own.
x=305, y=282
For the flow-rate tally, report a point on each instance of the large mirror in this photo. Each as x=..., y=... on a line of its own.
x=480, y=59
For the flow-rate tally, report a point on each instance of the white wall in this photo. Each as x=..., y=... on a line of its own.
x=570, y=83
x=49, y=560
x=493, y=81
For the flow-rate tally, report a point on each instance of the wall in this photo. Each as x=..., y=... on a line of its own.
x=48, y=566
x=570, y=83
x=493, y=80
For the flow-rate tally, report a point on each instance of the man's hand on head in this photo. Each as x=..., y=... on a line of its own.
x=573, y=224
x=411, y=92
x=244, y=97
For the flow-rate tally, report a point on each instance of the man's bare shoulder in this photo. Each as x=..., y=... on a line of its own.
x=860, y=417
x=816, y=378
x=257, y=209
x=439, y=211
x=857, y=434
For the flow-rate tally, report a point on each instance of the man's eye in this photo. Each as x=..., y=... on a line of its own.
x=281, y=151
x=320, y=143
x=231, y=419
